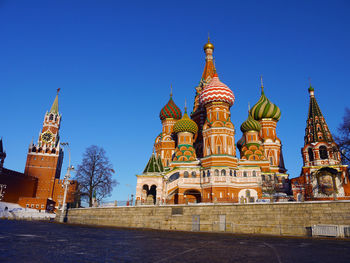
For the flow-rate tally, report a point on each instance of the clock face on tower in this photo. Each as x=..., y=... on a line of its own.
x=46, y=136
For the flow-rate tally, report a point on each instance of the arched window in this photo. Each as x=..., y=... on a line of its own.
x=254, y=173
x=216, y=172
x=33, y=149
x=208, y=173
x=194, y=175
x=223, y=173
x=219, y=150
x=186, y=174
x=174, y=177
x=323, y=152
x=311, y=154
x=263, y=177
x=244, y=174
x=235, y=173
x=51, y=117
x=203, y=173
x=271, y=160
x=230, y=172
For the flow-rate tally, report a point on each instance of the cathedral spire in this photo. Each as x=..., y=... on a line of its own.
x=316, y=126
x=209, y=67
x=54, y=107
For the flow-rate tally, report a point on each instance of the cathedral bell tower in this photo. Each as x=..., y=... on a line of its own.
x=199, y=111
x=44, y=159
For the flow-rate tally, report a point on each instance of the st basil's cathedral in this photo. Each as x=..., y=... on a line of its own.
x=195, y=157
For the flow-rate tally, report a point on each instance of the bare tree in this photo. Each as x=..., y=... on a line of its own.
x=94, y=175
x=343, y=139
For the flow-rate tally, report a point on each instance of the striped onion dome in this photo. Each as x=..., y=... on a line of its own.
x=250, y=125
x=217, y=91
x=265, y=109
x=170, y=110
x=240, y=143
x=185, y=125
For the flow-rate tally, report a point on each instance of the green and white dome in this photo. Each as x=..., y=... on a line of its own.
x=250, y=125
x=265, y=109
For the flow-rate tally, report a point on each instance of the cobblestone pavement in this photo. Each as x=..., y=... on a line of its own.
x=23, y=241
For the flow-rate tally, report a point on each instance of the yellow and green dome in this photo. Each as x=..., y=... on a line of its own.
x=265, y=109
x=250, y=125
x=185, y=125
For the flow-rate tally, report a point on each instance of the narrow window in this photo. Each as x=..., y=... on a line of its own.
x=311, y=154
x=186, y=174
x=223, y=173
x=216, y=172
x=323, y=152
x=254, y=173
x=245, y=174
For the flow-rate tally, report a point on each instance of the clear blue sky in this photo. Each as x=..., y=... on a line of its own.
x=115, y=60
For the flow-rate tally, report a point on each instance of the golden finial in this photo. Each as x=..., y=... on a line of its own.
x=208, y=45
x=261, y=83
x=248, y=106
x=185, y=106
x=58, y=90
x=171, y=90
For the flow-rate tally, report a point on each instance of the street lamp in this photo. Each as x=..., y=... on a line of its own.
x=66, y=182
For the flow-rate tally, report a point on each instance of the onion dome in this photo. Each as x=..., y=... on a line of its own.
x=265, y=109
x=217, y=91
x=250, y=125
x=240, y=143
x=185, y=125
x=170, y=110
x=208, y=45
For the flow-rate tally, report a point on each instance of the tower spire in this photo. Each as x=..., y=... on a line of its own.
x=54, y=107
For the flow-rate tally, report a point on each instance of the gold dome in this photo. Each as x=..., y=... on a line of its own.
x=208, y=45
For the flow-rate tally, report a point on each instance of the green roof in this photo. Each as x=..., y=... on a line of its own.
x=154, y=165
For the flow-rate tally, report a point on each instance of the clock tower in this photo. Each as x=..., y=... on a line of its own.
x=44, y=159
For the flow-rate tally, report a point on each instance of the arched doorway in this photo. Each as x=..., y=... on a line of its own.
x=192, y=196
x=153, y=192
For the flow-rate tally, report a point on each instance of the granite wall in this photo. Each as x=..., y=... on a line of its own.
x=285, y=219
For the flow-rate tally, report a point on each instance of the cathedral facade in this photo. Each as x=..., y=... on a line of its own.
x=195, y=157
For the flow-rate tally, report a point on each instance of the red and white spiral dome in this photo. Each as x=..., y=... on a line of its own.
x=217, y=91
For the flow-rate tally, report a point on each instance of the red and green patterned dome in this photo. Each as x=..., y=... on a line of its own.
x=170, y=110
x=185, y=125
